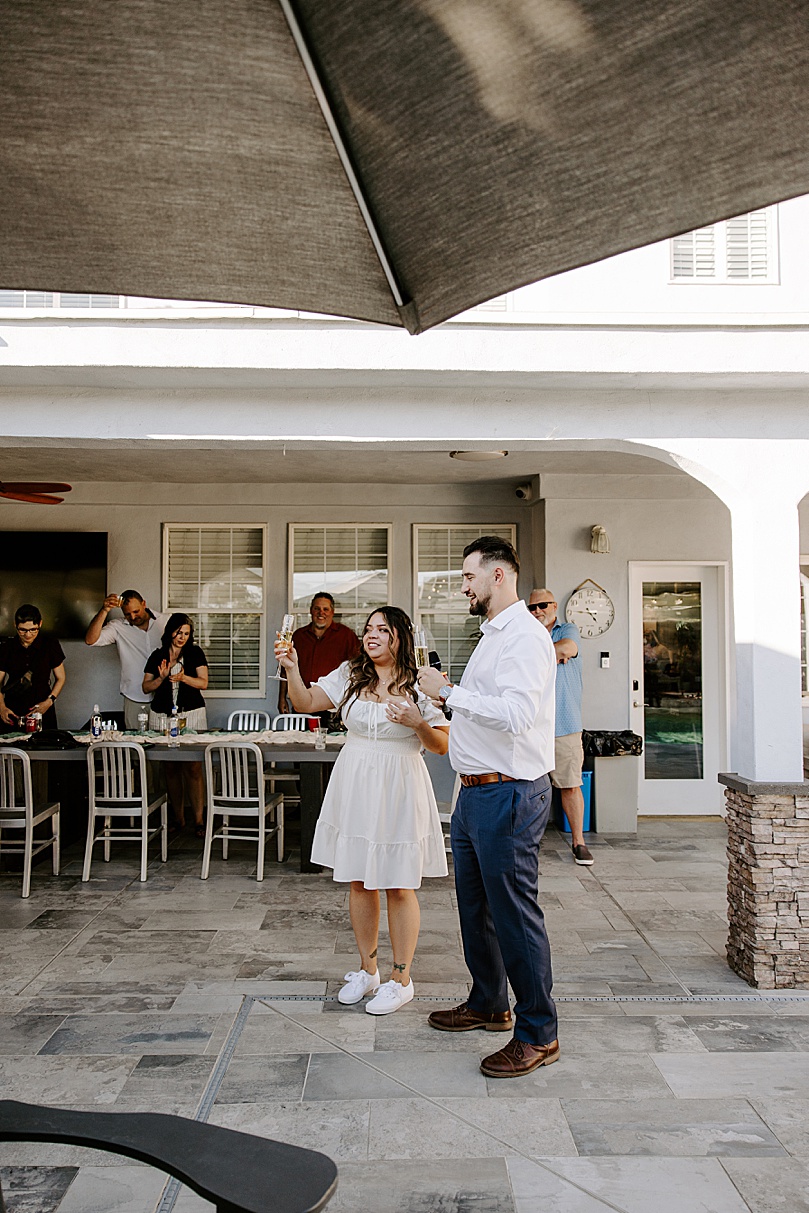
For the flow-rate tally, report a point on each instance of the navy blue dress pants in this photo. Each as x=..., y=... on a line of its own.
x=496, y=831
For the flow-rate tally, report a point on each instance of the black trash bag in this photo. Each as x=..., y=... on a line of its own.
x=53, y=739
x=603, y=744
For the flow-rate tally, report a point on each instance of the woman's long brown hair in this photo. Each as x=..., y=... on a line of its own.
x=362, y=675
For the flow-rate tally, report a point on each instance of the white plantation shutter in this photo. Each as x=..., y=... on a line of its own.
x=742, y=249
x=216, y=575
x=48, y=299
x=693, y=255
x=747, y=246
x=441, y=608
x=350, y=562
x=35, y=299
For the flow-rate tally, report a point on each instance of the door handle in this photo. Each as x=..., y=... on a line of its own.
x=636, y=704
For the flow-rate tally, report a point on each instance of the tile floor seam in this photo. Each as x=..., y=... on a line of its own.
x=628, y=915
x=305, y=1079
x=441, y=1108
x=171, y=1190
x=736, y=1187
x=769, y=1128
x=78, y=933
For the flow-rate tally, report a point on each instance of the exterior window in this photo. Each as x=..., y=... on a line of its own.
x=740, y=250
x=441, y=608
x=48, y=299
x=216, y=575
x=351, y=562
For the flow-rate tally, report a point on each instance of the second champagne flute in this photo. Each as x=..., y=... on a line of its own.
x=285, y=636
x=420, y=646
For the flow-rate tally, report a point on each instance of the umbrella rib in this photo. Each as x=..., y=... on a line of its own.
x=342, y=150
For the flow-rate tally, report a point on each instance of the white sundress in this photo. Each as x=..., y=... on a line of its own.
x=379, y=822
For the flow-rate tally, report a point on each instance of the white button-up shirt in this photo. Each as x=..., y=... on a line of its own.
x=135, y=646
x=504, y=710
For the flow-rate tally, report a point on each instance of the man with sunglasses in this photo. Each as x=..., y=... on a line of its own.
x=566, y=775
x=27, y=662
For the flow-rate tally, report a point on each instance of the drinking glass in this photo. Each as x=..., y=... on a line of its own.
x=285, y=636
x=320, y=738
x=420, y=647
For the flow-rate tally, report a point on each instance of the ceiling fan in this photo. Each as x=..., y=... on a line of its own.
x=33, y=491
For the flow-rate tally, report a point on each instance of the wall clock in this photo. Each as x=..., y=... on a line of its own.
x=590, y=608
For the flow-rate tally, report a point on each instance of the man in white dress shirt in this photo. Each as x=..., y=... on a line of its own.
x=137, y=635
x=502, y=745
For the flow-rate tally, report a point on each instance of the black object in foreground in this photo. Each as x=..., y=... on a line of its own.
x=604, y=744
x=237, y=1172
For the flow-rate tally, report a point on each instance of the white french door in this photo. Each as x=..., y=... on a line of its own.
x=678, y=681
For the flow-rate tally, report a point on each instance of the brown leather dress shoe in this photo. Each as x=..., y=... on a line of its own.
x=462, y=1019
x=518, y=1058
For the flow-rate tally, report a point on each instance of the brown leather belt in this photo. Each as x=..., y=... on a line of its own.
x=474, y=781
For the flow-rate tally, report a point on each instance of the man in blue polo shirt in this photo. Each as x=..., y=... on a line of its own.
x=566, y=775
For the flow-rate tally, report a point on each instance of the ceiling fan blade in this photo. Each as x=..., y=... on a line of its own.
x=32, y=498
x=33, y=486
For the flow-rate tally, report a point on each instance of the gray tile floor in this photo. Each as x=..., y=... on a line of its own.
x=670, y=1094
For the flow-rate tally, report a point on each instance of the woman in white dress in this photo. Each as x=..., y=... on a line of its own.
x=379, y=826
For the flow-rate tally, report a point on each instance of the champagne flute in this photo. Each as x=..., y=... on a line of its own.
x=420, y=647
x=285, y=636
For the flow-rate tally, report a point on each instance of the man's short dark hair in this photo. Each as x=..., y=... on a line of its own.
x=128, y=595
x=27, y=614
x=322, y=594
x=493, y=550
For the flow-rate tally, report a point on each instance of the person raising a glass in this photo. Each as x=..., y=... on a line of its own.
x=379, y=827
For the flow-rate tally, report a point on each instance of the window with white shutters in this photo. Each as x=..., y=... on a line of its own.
x=739, y=250
x=350, y=562
x=215, y=574
x=441, y=607
x=54, y=299
x=693, y=255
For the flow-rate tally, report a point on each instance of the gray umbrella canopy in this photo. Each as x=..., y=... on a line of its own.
x=394, y=160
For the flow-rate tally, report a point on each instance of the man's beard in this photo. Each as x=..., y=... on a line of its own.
x=479, y=607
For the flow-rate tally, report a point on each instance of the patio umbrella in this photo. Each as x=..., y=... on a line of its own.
x=393, y=160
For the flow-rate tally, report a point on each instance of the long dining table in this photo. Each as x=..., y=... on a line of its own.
x=296, y=748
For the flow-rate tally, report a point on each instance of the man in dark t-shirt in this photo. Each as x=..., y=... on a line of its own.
x=27, y=663
x=321, y=645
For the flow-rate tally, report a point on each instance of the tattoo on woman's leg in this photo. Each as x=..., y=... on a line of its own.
x=400, y=968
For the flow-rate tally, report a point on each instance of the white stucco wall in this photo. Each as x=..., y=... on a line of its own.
x=690, y=526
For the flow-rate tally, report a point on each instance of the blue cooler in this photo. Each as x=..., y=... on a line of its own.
x=561, y=818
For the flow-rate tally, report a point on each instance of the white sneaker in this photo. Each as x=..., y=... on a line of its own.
x=390, y=997
x=357, y=986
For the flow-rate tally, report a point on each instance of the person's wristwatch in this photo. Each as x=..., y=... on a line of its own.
x=442, y=695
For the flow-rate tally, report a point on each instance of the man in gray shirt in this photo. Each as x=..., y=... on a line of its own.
x=136, y=636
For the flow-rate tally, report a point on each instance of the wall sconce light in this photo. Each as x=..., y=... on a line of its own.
x=599, y=541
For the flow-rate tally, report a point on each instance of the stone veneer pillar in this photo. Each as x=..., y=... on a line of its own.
x=768, y=882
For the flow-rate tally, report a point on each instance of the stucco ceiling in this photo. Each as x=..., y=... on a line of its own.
x=231, y=463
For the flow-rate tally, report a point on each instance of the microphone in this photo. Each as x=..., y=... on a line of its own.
x=435, y=664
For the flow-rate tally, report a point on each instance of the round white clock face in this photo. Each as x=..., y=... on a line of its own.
x=591, y=609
